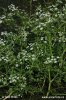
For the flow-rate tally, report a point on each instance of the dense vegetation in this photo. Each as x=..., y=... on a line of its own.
x=33, y=51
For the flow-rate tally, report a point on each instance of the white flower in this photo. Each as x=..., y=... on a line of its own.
x=45, y=41
x=46, y=62
x=48, y=58
x=12, y=7
x=0, y=21
x=3, y=57
x=55, y=61
x=60, y=34
x=24, y=78
x=37, y=13
x=41, y=28
x=3, y=16
x=52, y=56
x=59, y=40
x=4, y=33
x=2, y=42
x=31, y=48
x=16, y=65
x=42, y=38
x=58, y=57
x=33, y=57
x=20, y=62
x=50, y=61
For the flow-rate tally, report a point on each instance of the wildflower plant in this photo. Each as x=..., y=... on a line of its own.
x=32, y=51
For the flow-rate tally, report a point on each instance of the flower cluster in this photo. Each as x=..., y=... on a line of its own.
x=2, y=42
x=62, y=37
x=13, y=78
x=12, y=7
x=5, y=59
x=4, y=33
x=51, y=60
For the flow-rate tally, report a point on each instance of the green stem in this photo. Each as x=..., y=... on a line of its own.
x=30, y=7
x=49, y=86
x=54, y=78
x=49, y=69
x=8, y=96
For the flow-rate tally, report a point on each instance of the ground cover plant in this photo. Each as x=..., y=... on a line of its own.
x=33, y=51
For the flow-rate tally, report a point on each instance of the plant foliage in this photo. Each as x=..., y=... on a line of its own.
x=33, y=51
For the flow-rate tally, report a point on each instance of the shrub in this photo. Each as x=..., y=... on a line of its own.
x=32, y=51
